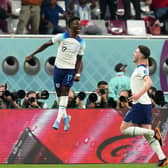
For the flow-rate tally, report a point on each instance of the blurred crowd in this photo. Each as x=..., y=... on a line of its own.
x=114, y=94
x=49, y=16
x=22, y=99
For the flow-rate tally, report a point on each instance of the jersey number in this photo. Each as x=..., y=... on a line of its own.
x=64, y=48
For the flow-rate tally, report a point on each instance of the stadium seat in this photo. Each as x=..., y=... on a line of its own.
x=136, y=27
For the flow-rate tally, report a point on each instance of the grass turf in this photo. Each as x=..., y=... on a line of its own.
x=78, y=166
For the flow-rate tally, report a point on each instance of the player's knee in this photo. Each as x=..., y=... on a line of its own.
x=122, y=129
x=125, y=129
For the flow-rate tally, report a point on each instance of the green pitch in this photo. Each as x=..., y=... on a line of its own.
x=79, y=166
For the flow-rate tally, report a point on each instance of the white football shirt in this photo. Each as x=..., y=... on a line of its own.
x=68, y=50
x=137, y=83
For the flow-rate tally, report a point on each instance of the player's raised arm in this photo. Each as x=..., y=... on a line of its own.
x=40, y=49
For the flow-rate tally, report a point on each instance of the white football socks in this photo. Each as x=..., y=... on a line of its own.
x=62, y=108
x=149, y=136
x=133, y=131
x=155, y=145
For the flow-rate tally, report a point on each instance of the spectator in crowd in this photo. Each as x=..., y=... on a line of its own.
x=112, y=4
x=10, y=102
x=151, y=92
x=31, y=101
x=160, y=101
x=123, y=101
x=5, y=12
x=29, y=15
x=74, y=101
x=119, y=82
x=82, y=8
x=127, y=9
x=71, y=100
x=160, y=9
x=157, y=98
x=7, y=99
x=2, y=90
x=99, y=98
x=44, y=3
x=2, y=105
x=67, y=3
x=50, y=18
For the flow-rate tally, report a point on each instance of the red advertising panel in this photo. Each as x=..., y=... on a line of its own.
x=27, y=136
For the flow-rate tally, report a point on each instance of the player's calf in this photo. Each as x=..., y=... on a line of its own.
x=158, y=136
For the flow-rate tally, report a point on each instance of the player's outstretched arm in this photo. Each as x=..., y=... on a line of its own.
x=40, y=49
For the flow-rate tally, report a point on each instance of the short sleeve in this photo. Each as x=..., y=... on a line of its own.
x=82, y=48
x=57, y=38
x=143, y=71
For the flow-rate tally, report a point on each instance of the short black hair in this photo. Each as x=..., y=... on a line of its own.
x=71, y=19
x=144, y=50
x=102, y=83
